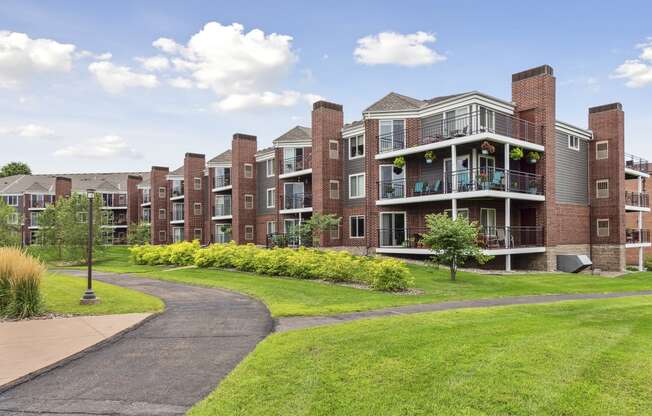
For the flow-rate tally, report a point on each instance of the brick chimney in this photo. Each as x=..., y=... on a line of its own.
x=194, y=196
x=243, y=180
x=62, y=187
x=160, y=197
x=133, y=203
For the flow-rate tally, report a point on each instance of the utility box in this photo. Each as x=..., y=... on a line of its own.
x=573, y=263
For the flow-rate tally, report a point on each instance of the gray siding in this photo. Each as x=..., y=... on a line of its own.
x=571, y=171
x=262, y=183
x=351, y=167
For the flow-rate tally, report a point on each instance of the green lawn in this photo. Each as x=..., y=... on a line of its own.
x=61, y=294
x=573, y=358
x=289, y=297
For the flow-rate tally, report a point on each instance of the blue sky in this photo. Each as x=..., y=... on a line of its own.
x=74, y=110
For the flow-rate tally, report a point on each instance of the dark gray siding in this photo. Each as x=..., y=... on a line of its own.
x=571, y=171
x=351, y=167
x=262, y=183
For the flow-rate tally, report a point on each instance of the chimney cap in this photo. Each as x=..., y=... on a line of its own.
x=533, y=72
x=606, y=107
x=242, y=136
x=199, y=155
x=62, y=178
x=160, y=168
x=326, y=104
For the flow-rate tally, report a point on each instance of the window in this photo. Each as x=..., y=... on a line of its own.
x=356, y=226
x=269, y=167
x=602, y=188
x=122, y=200
x=34, y=217
x=177, y=234
x=333, y=149
x=602, y=150
x=461, y=213
x=392, y=135
x=11, y=200
x=356, y=147
x=335, y=233
x=488, y=220
x=271, y=227
x=334, y=190
x=603, y=227
x=248, y=170
x=12, y=219
x=178, y=211
x=197, y=208
x=356, y=186
x=573, y=142
x=197, y=184
x=161, y=214
x=249, y=201
x=249, y=232
x=161, y=192
x=82, y=217
x=162, y=238
x=196, y=234
x=146, y=215
x=271, y=197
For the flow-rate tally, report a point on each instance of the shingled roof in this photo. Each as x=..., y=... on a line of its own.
x=224, y=157
x=40, y=183
x=294, y=134
x=397, y=102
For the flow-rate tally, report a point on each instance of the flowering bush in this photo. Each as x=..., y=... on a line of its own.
x=336, y=266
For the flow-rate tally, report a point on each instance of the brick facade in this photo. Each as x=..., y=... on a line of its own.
x=160, y=197
x=243, y=148
x=194, y=197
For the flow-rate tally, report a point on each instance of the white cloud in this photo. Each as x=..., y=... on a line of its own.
x=115, y=79
x=230, y=61
x=99, y=148
x=266, y=99
x=154, y=63
x=21, y=57
x=397, y=49
x=637, y=72
x=180, y=82
x=28, y=131
x=98, y=57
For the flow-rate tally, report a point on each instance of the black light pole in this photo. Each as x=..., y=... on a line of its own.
x=89, y=297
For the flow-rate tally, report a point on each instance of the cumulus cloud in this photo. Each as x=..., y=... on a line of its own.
x=397, y=49
x=154, y=63
x=98, y=57
x=637, y=72
x=180, y=82
x=28, y=131
x=22, y=57
x=115, y=79
x=99, y=148
x=234, y=102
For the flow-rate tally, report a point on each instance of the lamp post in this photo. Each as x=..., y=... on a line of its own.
x=89, y=297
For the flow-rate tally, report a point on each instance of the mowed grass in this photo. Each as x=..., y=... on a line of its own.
x=61, y=294
x=291, y=297
x=572, y=358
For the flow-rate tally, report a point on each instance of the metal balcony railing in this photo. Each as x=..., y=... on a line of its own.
x=297, y=201
x=637, y=236
x=40, y=201
x=177, y=214
x=635, y=163
x=221, y=181
x=461, y=126
x=637, y=199
x=283, y=240
x=222, y=210
x=114, y=201
x=295, y=164
x=488, y=237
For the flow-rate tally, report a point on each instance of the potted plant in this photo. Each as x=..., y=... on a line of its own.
x=487, y=148
x=483, y=178
x=533, y=157
x=430, y=156
x=532, y=186
x=399, y=163
x=516, y=153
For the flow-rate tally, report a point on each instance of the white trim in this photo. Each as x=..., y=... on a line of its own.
x=597, y=151
x=491, y=252
x=336, y=150
x=569, y=129
x=253, y=201
x=267, y=154
x=597, y=189
x=570, y=138
x=253, y=232
x=459, y=141
x=295, y=210
x=223, y=188
x=392, y=120
x=222, y=217
x=638, y=245
x=330, y=195
x=364, y=190
x=597, y=227
x=348, y=147
x=174, y=177
x=405, y=221
x=273, y=198
x=178, y=197
x=633, y=172
x=634, y=208
x=218, y=164
x=244, y=170
x=353, y=130
x=295, y=173
x=296, y=143
x=364, y=226
x=461, y=195
x=177, y=222
x=267, y=164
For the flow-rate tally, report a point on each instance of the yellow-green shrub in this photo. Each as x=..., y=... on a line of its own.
x=177, y=254
x=182, y=253
x=389, y=275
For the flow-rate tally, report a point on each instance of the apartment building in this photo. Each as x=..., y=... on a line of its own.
x=539, y=187
x=31, y=194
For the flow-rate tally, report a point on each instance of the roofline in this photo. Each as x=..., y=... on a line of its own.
x=447, y=101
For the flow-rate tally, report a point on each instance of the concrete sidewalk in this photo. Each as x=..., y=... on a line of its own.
x=27, y=346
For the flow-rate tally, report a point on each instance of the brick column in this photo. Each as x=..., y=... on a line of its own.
x=133, y=198
x=62, y=187
x=158, y=180
x=193, y=168
x=243, y=150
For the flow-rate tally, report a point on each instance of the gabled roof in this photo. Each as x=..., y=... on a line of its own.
x=177, y=172
x=104, y=186
x=435, y=100
x=37, y=188
x=224, y=157
x=265, y=150
x=109, y=182
x=394, y=101
x=297, y=133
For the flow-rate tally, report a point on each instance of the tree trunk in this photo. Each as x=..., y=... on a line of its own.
x=453, y=267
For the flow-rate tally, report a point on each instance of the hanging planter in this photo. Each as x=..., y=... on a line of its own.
x=533, y=157
x=487, y=148
x=399, y=164
x=430, y=156
x=516, y=153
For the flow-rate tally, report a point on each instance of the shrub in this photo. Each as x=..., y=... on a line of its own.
x=182, y=253
x=20, y=280
x=389, y=275
x=177, y=254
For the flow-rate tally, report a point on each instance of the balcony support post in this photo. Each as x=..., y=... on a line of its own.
x=454, y=208
x=454, y=172
x=639, y=223
x=508, y=233
x=506, y=167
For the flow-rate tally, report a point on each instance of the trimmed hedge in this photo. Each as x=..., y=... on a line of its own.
x=384, y=274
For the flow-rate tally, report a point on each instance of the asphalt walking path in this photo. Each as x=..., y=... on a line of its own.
x=300, y=322
x=161, y=367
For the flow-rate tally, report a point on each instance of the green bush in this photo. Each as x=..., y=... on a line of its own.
x=301, y=263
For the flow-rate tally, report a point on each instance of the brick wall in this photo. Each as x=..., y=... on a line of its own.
x=193, y=168
x=261, y=227
x=243, y=149
x=158, y=180
x=133, y=198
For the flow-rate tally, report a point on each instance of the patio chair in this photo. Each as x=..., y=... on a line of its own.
x=418, y=188
x=436, y=186
x=497, y=181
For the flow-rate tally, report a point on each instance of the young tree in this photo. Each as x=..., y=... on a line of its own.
x=15, y=168
x=319, y=223
x=453, y=241
x=9, y=225
x=138, y=234
x=64, y=227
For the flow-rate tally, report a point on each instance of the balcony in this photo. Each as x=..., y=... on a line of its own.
x=222, y=211
x=177, y=214
x=637, y=201
x=40, y=201
x=295, y=203
x=467, y=127
x=493, y=240
x=283, y=240
x=635, y=237
x=296, y=166
x=177, y=191
x=222, y=182
x=114, y=220
x=147, y=199
x=110, y=201
x=635, y=166
x=471, y=183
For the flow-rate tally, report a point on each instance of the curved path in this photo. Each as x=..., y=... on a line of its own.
x=161, y=367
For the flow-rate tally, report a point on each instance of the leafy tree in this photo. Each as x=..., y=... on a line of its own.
x=319, y=223
x=9, y=225
x=15, y=168
x=453, y=241
x=138, y=234
x=64, y=227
